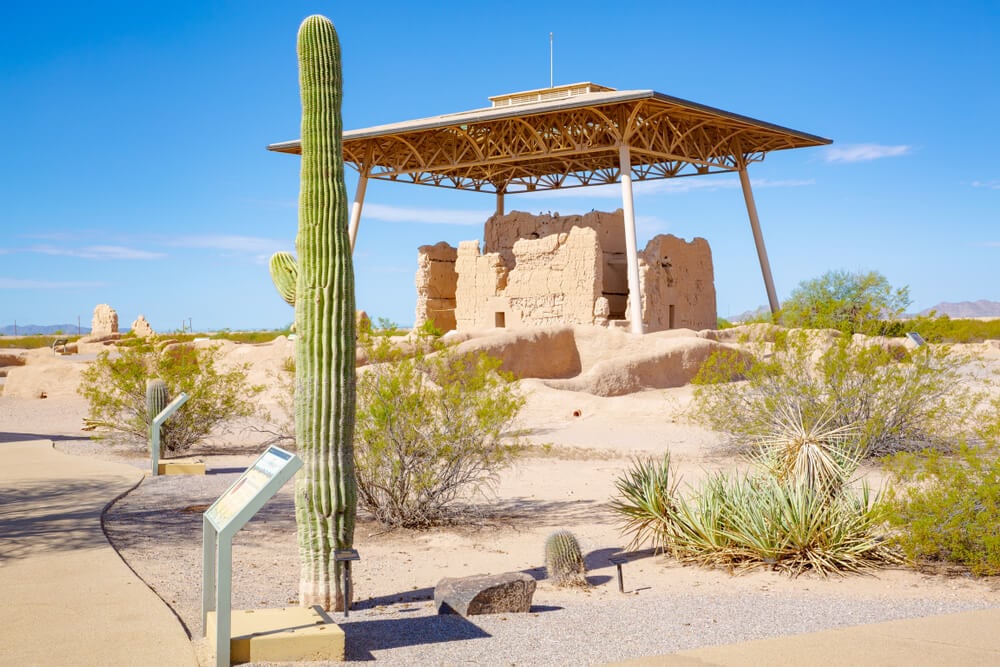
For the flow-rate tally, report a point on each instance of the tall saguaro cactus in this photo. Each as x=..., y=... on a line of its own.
x=325, y=493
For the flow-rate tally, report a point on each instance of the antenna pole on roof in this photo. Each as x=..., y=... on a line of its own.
x=551, y=84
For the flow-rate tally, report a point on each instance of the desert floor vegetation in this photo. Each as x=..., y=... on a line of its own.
x=433, y=428
x=578, y=446
x=115, y=386
x=799, y=508
x=946, y=508
x=897, y=398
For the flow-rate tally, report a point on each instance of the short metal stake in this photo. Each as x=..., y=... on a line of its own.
x=618, y=561
x=345, y=556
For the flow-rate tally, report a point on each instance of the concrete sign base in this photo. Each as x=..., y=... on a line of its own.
x=288, y=634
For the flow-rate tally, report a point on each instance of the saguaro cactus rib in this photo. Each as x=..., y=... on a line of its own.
x=325, y=494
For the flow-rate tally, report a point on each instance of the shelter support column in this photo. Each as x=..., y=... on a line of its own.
x=500, y=209
x=758, y=239
x=631, y=248
x=359, y=200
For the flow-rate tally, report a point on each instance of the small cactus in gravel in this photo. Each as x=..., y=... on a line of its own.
x=564, y=561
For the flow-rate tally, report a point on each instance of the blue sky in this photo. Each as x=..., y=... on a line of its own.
x=134, y=173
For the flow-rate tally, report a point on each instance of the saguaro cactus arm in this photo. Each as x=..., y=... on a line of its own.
x=284, y=273
x=325, y=493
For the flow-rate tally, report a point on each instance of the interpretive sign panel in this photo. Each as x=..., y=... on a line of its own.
x=221, y=521
x=249, y=486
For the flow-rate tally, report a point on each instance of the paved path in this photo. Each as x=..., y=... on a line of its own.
x=66, y=597
x=966, y=639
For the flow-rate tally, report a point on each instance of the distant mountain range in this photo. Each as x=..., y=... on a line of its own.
x=963, y=309
x=47, y=329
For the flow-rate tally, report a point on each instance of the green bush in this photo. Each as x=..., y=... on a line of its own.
x=849, y=302
x=947, y=507
x=250, y=337
x=430, y=429
x=115, y=388
x=946, y=330
x=33, y=342
x=899, y=400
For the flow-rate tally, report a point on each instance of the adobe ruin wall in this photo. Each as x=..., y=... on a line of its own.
x=551, y=269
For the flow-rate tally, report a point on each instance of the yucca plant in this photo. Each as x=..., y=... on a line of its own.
x=646, y=502
x=818, y=454
x=797, y=513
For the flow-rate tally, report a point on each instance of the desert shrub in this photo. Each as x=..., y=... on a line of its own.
x=848, y=302
x=33, y=342
x=798, y=510
x=429, y=429
x=946, y=330
x=946, y=507
x=115, y=388
x=898, y=400
x=250, y=337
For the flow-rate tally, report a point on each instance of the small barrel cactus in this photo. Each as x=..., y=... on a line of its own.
x=157, y=398
x=564, y=561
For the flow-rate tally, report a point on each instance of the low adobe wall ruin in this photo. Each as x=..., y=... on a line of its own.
x=550, y=269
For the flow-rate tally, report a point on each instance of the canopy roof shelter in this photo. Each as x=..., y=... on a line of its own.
x=570, y=136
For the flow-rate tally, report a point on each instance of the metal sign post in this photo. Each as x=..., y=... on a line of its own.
x=223, y=520
x=154, y=429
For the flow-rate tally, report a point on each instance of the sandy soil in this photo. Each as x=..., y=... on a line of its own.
x=580, y=444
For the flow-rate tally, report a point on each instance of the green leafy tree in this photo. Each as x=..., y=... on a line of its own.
x=115, y=388
x=430, y=430
x=849, y=302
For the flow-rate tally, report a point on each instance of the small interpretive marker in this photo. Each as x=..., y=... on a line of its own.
x=220, y=522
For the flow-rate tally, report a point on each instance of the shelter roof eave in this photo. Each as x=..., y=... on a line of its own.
x=450, y=150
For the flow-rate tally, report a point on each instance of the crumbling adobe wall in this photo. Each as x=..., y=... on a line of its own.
x=551, y=269
x=437, y=282
x=480, y=284
x=502, y=232
x=555, y=280
x=677, y=283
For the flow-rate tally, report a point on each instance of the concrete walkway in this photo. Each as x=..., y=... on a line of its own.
x=969, y=639
x=66, y=597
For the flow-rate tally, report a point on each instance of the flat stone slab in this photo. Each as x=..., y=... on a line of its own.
x=507, y=593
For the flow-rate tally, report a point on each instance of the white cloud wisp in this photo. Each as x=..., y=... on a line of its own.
x=863, y=152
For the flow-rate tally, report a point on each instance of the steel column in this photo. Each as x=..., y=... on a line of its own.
x=631, y=248
x=758, y=239
x=359, y=200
